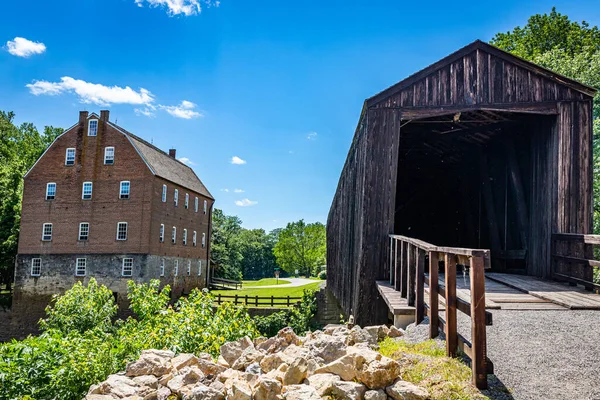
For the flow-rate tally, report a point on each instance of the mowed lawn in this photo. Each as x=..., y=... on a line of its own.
x=295, y=291
x=265, y=282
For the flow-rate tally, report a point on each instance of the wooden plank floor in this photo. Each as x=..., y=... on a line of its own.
x=571, y=297
x=499, y=296
x=395, y=302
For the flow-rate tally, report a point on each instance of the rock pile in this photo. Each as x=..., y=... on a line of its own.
x=337, y=363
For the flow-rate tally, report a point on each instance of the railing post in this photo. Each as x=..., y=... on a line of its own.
x=219, y=299
x=236, y=299
x=288, y=301
x=450, y=283
x=412, y=273
x=397, y=265
x=256, y=301
x=478, y=332
x=272, y=301
x=391, y=247
x=420, y=286
x=404, y=270
x=433, y=294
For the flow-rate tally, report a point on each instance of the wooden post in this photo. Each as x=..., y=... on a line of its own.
x=404, y=270
x=219, y=299
x=412, y=273
x=288, y=301
x=420, y=287
x=391, y=249
x=433, y=294
x=397, y=266
x=256, y=301
x=588, y=275
x=450, y=283
x=236, y=299
x=478, y=333
x=272, y=302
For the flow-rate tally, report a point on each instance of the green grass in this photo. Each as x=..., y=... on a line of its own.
x=425, y=364
x=295, y=291
x=265, y=282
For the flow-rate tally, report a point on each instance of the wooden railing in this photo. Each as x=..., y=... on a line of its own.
x=408, y=260
x=258, y=301
x=225, y=283
x=573, y=259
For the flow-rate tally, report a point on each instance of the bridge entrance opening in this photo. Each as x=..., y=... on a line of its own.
x=476, y=179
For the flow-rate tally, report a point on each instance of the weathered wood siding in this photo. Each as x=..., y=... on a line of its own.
x=476, y=77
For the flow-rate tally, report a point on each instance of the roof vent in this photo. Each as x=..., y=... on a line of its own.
x=172, y=152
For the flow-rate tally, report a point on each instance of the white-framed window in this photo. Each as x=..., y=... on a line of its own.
x=164, y=194
x=162, y=267
x=122, y=231
x=189, y=267
x=195, y=204
x=187, y=200
x=47, y=232
x=50, y=191
x=86, y=191
x=174, y=235
x=176, y=197
x=125, y=187
x=194, y=239
x=203, y=239
x=176, y=270
x=36, y=266
x=70, y=156
x=185, y=237
x=84, y=230
x=109, y=155
x=162, y=233
x=205, y=206
x=93, y=127
x=80, y=265
x=127, y=269
x=199, y=267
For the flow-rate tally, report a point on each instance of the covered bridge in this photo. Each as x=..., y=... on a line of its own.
x=481, y=149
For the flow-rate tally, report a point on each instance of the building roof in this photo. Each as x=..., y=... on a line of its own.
x=163, y=165
x=488, y=48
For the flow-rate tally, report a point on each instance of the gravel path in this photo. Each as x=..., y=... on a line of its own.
x=293, y=282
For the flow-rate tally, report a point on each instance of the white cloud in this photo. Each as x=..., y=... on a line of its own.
x=187, y=161
x=239, y=190
x=22, y=47
x=238, y=161
x=146, y=111
x=245, y=203
x=225, y=190
x=184, y=110
x=92, y=92
x=312, y=136
x=175, y=7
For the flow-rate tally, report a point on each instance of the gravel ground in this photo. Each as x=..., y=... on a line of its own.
x=539, y=354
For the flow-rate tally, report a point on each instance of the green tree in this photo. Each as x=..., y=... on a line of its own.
x=256, y=247
x=301, y=246
x=224, y=250
x=571, y=49
x=20, y=147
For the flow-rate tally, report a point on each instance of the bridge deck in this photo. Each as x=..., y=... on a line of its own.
x=505, y=292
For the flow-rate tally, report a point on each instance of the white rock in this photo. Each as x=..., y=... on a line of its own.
x=342, y=367
x=273, y=361
x=300, y=392
x=146, y=380
x=359, y=335
x=231, y=351
x=375, y=395
x=267, y=389
x=186, y=377
x=402, y=390
x=296, y=372
x=184, y=360
x=151, y=362
x=240, y=390
x=327, y=347
x=323, y=383
x=289, y=336
x=347, y=390
x=378, y=373
x=202, y=392
x=209, y=368
x=254, y=368
x=118, y=386
x=99, y=397
x=379, y=332
x=395, y=332
x=249, y=356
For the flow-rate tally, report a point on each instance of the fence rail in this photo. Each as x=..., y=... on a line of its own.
x=573, y=258
x=225, y=283
x=408, y=260
x=258, y=300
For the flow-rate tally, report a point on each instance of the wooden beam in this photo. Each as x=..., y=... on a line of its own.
x=488, y=199
x=433, y=294
x=478, y=331
x=413, y=113
x=420, y=287
x=450, y=284
x=404, y=271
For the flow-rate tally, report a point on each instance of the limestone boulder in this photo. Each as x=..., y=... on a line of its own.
x=185, y=378
x=300, y=392
x=209, y=368
x=327, y=347
x=184, y=360
x=118, y=386
x=289, y=336
x=273, y=361
x=344, y=367
x=402, y=390
x=323, y=383
x=395, y=332
x=149, y=381
x=342, y=390
x=378, y=374
x=151, y=362
x=231, y=351
x=296, y=372
x=249, y=356
x=359, y=335
x=203, y=392
x=375, y=395
x=239, y=390
x=379, y=332
x=267, y=389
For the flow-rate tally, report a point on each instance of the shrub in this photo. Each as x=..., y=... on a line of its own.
x=323, y=275
x=300, y=318
x=80, y=309
x=269, y=325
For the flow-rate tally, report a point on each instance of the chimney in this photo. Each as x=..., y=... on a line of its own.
x=104, y=115
x=83, y=115
x=172, y=152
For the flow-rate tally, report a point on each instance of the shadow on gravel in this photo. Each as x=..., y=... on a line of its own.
x=496, y=389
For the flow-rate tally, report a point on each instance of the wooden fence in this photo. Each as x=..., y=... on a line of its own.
x=574, y=259
x=220, y=283
x=408, y=260
x=258, y=301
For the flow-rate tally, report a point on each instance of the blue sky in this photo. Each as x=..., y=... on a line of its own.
x=278, y=84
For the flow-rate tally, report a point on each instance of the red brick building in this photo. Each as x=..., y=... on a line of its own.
x=104, y=203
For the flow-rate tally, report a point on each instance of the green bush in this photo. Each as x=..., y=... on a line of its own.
x=80, y=345
x=323, y=275
x=300, y=318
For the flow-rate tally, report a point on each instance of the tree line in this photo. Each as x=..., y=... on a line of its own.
x=241, y=253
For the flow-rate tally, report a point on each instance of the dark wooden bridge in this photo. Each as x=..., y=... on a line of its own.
x=480, y=150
